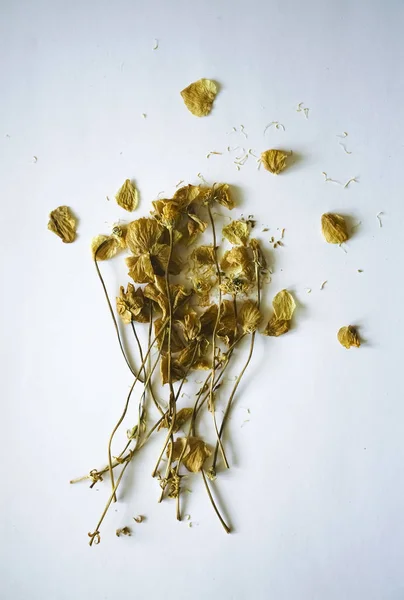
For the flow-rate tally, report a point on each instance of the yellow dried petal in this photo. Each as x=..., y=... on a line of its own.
x=203, y=256
x=195, y=454
x=142, y=235
x=348, y=337
x=334, y=228
x=127, y=196
x=221, y=195
x=105, y=246
x=130, y=305
x=63, y=223
x=140, y=268
x=199, y=97
x=284, y=305
x=274, y=161
x=181, y=417
x=177, y=372
x=276, y=327
x=236, y=233
x=238, y=262
x=249, y=316
x=187, y=194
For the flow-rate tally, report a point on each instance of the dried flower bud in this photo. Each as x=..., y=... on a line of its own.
x=127, y=196
x=199, y=97
x=334, y=228
x=63, y=223
x=274, y=161
x=348, y=337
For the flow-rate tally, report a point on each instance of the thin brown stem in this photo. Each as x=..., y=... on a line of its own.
x=211, y=397
x=225, y=526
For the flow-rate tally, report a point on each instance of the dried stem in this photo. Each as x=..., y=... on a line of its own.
x=225, y=526
x=213, y=368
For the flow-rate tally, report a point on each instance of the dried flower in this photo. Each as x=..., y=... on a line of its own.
x=334, y=228
x=274, y=161
x=249, y=316
x=104, y=247
x=199, y=97
x=348, y=337
x=127, y=196
x=236, y=233
x=63, y=223
x=221, y=195
x=130, y=305
x=195, y=454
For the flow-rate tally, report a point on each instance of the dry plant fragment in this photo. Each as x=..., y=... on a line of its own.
x=249, y=316
x=124, y=531
x=63, y=223
x=274, y=161
x=334, y=228
x=199, y=97
x=284, y=305
x=236, y=233
x=194, y=455
x=127, y=196
x=276, y=327
x=348, y=337
x=131, y=305
x=104, y=247
x=181, y=418
x=139, y=519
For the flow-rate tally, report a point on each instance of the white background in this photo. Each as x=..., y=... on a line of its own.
x=316, y=491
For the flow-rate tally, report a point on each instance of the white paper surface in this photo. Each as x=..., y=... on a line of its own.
x=315, y=492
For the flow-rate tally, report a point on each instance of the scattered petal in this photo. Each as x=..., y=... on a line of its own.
x=199, y=97
x=63, y=223
x=348, y=337
x=274, y=161
x=236, y=233
x=127, y=196
x=334, y=228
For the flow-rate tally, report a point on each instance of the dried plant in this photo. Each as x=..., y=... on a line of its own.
x=198, y=305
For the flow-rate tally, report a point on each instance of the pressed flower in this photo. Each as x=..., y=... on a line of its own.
x=249, y=316
x=131, y=306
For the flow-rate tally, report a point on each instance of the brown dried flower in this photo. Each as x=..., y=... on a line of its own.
x=63, y=223
x=348, y=337
x=127, y=196
x=334, y=228
x=199, y=97
x=274, y=161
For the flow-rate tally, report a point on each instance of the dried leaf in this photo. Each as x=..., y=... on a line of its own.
x=236, y=233
x=274, y=161
x=284, y=305
x=334, y=228
x=104, y=247
x=249, y=316
x=276, y=327
x=127, y=197
x=199, y=97
x=195, y=454
x=63, y=223
x=348, y=337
